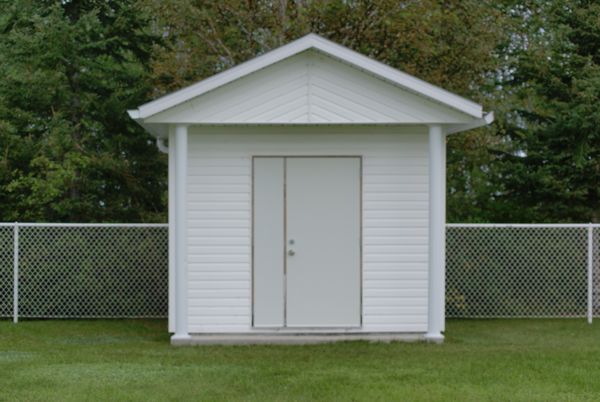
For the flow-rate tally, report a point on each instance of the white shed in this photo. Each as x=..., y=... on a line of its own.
x=307, y=198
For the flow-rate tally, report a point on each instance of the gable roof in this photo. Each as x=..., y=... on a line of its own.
x=311, y=41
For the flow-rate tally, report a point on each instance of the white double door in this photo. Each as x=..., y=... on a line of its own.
x=306, y=241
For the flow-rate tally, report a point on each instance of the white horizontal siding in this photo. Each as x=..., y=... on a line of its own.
x=395, y=220
x=395, y=249
x=219, y=242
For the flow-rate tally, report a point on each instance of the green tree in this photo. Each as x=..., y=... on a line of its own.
x=70, y=70
x=68, y=150
x=449, y=43
x=548, y=169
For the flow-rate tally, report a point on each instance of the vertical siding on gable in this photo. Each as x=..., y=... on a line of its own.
x=310, y=87
x=395, y=221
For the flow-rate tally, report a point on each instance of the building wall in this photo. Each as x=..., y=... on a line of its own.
x=395, y=219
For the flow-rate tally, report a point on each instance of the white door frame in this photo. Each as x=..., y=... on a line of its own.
x=360, y=218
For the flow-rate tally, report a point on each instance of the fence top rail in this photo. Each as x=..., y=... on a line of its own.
x=523, y=225
x=449, y=225
x=117, y=225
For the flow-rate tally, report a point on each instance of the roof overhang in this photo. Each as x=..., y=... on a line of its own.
x=342, y=54
x=487, y=119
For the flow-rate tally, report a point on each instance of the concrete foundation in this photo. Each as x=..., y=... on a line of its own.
x=296, y=338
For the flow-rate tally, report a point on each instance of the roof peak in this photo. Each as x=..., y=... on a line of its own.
x=306, y=42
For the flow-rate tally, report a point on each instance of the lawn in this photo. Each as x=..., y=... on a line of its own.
x=516, y=360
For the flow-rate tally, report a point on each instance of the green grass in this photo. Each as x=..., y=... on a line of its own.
x=512, y=360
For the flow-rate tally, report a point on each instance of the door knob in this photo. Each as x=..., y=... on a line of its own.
x=291, y=253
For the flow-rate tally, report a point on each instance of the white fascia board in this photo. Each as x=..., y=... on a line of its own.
x=134, y=114
x=310, y=41
x=484, y=121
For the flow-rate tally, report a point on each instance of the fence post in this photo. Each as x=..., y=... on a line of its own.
x=590, y=270
x=16, y=272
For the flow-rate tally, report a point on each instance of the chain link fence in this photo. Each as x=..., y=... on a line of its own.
x=6, y=271
x=84, y=271
x=118, y=271
x=499, y=271
x=595, y=274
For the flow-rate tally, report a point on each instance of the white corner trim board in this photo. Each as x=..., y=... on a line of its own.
x=310, y=41
x=437, y=236
x=181, y=274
